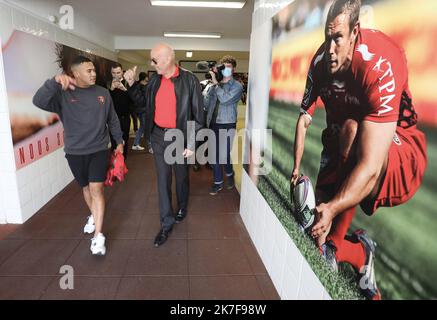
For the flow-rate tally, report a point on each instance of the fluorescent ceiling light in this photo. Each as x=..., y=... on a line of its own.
x=200, y=4
x=192, y=35
x=189, y=54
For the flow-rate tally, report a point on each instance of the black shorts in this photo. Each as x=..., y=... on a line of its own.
x=89, y=167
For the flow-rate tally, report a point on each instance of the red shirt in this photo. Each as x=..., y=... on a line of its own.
x=165, y=102
x=375, y=87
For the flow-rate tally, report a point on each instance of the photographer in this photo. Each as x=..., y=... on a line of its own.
x=221, y=103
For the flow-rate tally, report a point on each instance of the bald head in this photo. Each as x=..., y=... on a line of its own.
x=163, y=50
x=163, y=59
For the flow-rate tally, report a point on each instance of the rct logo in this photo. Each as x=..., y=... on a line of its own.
x=67, y=20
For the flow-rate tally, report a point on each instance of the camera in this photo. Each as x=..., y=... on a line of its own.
x=204, y=65
x=218, y=74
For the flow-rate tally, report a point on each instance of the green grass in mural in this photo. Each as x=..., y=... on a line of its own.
x=406, y=262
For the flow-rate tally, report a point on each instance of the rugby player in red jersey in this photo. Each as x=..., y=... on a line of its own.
x=373, y=154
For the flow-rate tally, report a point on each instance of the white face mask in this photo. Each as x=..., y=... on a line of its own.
x=227, y=72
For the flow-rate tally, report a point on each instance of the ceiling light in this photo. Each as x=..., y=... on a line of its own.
x=192, y=35
x=189, y=54
x=199, y=4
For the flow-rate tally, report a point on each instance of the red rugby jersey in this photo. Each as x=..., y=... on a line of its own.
x=375, y=87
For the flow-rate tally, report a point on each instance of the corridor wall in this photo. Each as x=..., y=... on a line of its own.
x=23, y=191
x=290, y=272
x=284, y=41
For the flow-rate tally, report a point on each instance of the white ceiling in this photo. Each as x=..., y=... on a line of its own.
x=140, y=18
x=143, y=56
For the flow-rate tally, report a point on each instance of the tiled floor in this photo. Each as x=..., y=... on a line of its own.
x=208, y=256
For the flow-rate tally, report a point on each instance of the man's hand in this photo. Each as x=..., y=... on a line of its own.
x=121, y=87
x=213, y=78
x=187, y=153
x=294, y=176
x=116, y=84
x=130, y=75
x=66, y=82
x=324, y=217
x=119, y=148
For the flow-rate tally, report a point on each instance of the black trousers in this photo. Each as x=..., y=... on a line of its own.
x=125, y=128
x=134, y=116
x=164, y=175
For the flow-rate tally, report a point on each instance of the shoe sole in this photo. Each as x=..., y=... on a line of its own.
x=158, y=245
x=213, y=194
x=179, y=221
x=89, y=231
x=99, y=253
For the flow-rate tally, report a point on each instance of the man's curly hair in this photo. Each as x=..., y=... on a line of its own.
x=229, y=59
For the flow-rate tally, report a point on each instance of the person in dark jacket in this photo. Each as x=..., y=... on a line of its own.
x=87, y=112
x=142, y=81
x=122, y=103
x=172, y=100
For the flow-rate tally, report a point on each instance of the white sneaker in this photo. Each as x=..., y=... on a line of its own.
x=150, y=150
x=98, y=245
x=89, y=227
x=137, y=147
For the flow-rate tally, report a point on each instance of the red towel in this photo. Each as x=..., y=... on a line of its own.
x=117, y=169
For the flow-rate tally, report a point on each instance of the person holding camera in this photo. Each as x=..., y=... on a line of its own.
x=122, y=102
x=221, y=103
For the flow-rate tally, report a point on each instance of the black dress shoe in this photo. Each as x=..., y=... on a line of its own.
x=182, y=213
x=161, y=237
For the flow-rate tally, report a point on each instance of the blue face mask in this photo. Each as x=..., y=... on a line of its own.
x=227, y=72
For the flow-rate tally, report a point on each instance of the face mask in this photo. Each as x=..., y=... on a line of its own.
x=227, y=72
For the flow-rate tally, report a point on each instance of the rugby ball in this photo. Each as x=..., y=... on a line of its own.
x=304, y=202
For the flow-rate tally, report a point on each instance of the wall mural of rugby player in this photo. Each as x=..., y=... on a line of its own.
x=35, y=132
x=377, y=78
